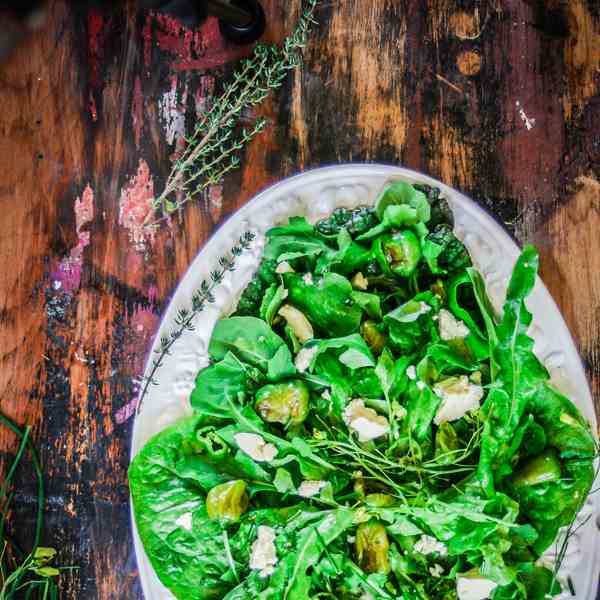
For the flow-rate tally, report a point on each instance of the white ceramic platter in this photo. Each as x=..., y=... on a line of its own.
x=315, y=194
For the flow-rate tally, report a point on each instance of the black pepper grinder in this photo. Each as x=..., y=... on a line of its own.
x=240, y=21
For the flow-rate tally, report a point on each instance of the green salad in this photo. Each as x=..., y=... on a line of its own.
x=368, y=427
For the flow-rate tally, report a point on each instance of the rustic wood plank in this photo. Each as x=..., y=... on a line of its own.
x=94, y=107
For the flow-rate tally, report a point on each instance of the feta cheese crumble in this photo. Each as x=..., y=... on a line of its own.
x=427, y=544
x=284, y=267
x=411, y=372
x=365, y=421
x=307, y=278
x=459, y=396
x=450, y=327
x=310, y=488
x=255, y=447
x=360, y=282
x=304, y=357
x=436, y=570
x=264, y=554
x=474, y=588
x=185, y=521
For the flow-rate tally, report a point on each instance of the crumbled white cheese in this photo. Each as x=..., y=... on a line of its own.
x=326, y=395
x=185, y=521
x=436, y=570
x=411, y=372
x=421, y=385
x=284, y=267
x=459, y=396
x=255, y=446
x=474, y=588
x=307, y=278
x=427, y=544
x=450, y=327
x=264, y=554
x=304, y=357
x=310, y=488
x=365, y=421
x=360, y=282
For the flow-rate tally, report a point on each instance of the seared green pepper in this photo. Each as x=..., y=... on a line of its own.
x=326, y=301
x=372, y=547
x=285, y=403
x=227, y=501
x=376, y=341
x=398, y=253
x=542, y=468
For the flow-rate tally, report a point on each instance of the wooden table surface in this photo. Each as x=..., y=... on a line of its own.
x=497, y=98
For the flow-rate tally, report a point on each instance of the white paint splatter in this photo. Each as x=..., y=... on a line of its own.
x=171, y=112
x=529, y=123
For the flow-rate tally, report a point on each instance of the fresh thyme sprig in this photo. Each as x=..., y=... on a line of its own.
x=184, y=320
x=212, y=149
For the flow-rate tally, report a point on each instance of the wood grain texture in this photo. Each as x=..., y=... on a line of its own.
x=500, y=99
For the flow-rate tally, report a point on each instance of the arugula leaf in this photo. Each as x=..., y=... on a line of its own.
x=392, y=374
x=249, y=338
x=350, y=256
x=225, y=379
x=272, y=301
x=291, y=580
x=399, y=205
x=355, y=355
x=280, y=366
x=370, y=303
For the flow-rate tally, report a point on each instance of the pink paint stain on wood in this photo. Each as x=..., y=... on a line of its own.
x=67, y=275
x=137, y=113
x=173, y=37
x=142, y=325
x=212, y=60
x=202, y=49
x=126, y=412
x=95, y=26
x=135, y=204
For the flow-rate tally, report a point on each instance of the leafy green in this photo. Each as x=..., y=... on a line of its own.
x=191, y=563
x=354, y=220
x=248, y=338
x=413, y=436
x=224, y=379
x=444, y=252
x=251, y=298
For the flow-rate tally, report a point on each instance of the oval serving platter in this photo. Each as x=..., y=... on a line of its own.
x=315, y=194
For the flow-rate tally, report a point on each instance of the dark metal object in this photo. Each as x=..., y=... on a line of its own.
x=246, y=33
x=236, y=16
x=240, y=21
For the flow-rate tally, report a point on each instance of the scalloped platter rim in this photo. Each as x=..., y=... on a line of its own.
x=315, y=194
